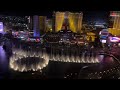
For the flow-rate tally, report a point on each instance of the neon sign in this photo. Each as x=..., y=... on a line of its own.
x=114, y=39
x=103, y=41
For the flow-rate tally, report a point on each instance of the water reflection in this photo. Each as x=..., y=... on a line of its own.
x=2, y=55
x=4, y=62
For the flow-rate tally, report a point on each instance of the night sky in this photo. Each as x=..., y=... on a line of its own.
x=46, y=8
x=101, y=16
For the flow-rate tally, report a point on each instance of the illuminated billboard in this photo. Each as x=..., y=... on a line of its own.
x=1, y=27
x=114, y=39
x=104, y=34
x=115, y=13
x=103, y=41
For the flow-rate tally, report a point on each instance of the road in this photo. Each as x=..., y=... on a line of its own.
x=108, y=68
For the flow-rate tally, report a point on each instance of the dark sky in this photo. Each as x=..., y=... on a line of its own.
x=87, y=15
x=96, y=15
x=45, y=7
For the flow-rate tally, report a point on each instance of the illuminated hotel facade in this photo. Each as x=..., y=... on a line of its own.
x=42, y=24
x=115, y=20
x=72, y=20
x=49, y=25
x=37, y=24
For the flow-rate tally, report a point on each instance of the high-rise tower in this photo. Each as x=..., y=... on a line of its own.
x=115, y=20
x=37, y=24
x=73, y=19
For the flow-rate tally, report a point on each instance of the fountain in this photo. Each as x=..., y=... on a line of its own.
x=20, y=60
